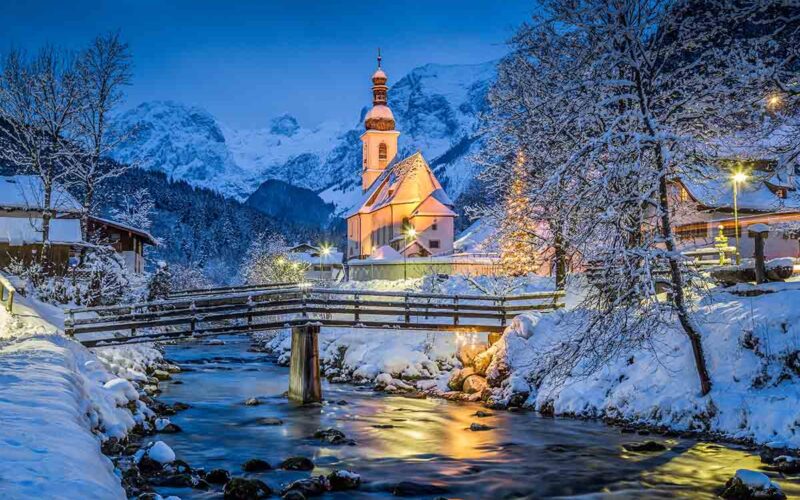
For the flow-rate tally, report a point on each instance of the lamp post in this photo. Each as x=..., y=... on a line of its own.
x=737, y=178
x=409, y=235
x=324, y=251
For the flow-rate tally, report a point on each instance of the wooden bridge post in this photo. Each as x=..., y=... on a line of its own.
x=503, y=311
x=408, y=312
x=455, y=310
x=304, y=381
x=357, y=305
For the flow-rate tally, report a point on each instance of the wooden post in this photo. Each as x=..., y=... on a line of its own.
x=455, y=310
x=760, y=232
x=503, y=311
x=356, y=315
x=304, y=381
x=408, y=312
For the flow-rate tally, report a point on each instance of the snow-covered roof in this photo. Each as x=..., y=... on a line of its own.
x=479, y=237
x=716, y=192
x=26, y=192
x=306, y=257
x=145, y=235
x=410, y=180
x=17, y=231
x=385, y=252
x=380, y=111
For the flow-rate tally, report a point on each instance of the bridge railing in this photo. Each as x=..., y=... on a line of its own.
x=7, y=292
x=280, y=308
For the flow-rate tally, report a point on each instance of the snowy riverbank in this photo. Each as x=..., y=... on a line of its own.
x=58, y=402
x=752, y=345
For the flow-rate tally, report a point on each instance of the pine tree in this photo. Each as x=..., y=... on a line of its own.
x=517, y=246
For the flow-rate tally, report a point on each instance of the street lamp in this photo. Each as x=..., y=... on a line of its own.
x=324, y=251
x=737, y=179
x=409, y=235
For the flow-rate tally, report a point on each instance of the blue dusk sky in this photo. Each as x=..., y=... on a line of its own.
x=247, y=61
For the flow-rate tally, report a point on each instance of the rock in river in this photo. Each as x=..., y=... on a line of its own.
x=256, y=465
x=252, y=402
x=332, y=436
x=297, y=463
x=457, y=378
x=475, y=427
x=343, y=480
x=750, y=484
x=466, y=353
x=240, y=488
x=409, y=489
x=644, y=446
x=309, y=487
x=218, y=476
x=474, y=384
x=270, y=421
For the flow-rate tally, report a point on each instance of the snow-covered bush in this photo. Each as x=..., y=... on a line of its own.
x=267, y=262
x=159, y=285
x=102, y=279
x=188, y=278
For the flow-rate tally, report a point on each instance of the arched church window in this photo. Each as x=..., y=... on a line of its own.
x=382, y=154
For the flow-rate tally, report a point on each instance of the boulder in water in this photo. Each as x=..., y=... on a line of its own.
x=270, y=421
x=331, y=435
x=750, y=484
x=644, y=447
x=476, y=427
x=297, y=463
x=457, y=378
x=218, y=476
x=467, y=353
x=309, y=487
x=474, y=384
x=252, y=402
x=240, y=488
x=256, y=465
x=341, y=480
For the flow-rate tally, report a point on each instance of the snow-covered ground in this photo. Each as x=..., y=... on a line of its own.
x=752, y=347
x=58, y=401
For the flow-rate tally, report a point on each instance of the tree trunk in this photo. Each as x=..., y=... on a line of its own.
x=676, y=276
x=44, y=258
x=560, y=256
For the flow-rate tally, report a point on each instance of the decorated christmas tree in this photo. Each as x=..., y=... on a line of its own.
x=517, y=248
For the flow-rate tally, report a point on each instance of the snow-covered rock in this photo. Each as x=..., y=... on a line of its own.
x=161, y=453
x=749, y=484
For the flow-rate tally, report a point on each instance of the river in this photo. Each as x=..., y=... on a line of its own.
x=425, y=441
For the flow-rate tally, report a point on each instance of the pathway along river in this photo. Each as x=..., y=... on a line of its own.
x=524, y=456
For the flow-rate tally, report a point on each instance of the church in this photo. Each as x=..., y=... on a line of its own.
x=404, y=211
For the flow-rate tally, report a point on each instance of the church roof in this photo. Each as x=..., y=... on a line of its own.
x=410, y=180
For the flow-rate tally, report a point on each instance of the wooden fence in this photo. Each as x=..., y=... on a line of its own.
x=260, y=310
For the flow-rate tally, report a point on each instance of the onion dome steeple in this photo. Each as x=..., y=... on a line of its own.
x=380, y=117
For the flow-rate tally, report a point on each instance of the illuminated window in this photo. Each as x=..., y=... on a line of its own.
x=382, y=154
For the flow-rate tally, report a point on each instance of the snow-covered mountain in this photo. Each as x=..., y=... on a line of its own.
x=436, y=108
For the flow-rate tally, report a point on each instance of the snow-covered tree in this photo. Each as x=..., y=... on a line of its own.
x=159, y=285
x=267, y=261
x=629, y=95
x=136, y=209
x=39, y=100
x=518, y=249
x=103, y=70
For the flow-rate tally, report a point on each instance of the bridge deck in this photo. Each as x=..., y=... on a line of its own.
x=261, y=309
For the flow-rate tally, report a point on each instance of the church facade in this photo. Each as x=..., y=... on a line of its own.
x=403, y=210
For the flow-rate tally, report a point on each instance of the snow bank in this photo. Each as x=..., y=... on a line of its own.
x=52, y=395
x=752, y=347
x=57, y=403
x=362, y=354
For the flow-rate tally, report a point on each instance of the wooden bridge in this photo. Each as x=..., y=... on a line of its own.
x=202, y=313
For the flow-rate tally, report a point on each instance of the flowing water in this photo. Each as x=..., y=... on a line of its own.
x=422, y=441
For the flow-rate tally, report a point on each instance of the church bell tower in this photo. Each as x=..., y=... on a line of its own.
x=380, y=138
